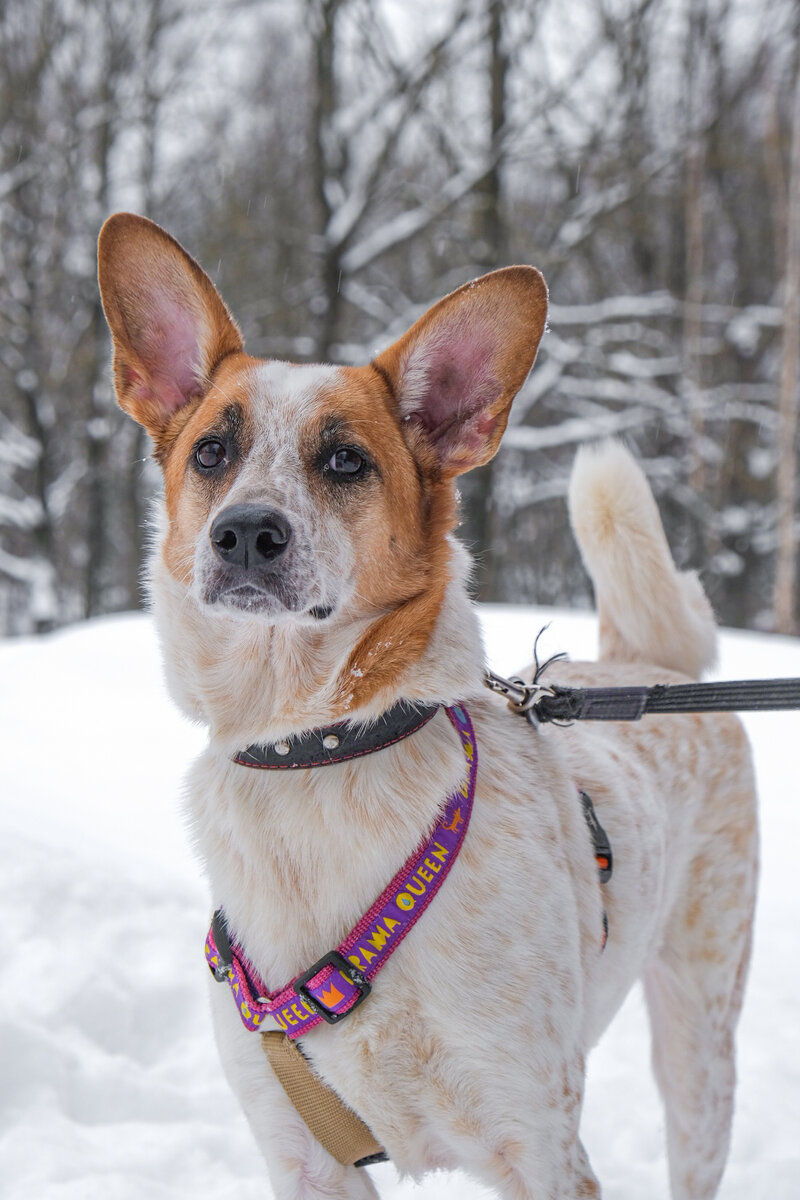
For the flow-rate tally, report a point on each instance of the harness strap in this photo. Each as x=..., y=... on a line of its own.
x=335, y=1126
x=343, y=1134
x=342, y=979
x=304, y=1003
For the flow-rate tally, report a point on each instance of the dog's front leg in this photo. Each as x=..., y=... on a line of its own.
x=299, y=1167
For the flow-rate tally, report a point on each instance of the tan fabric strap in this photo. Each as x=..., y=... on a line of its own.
x=343, y=1134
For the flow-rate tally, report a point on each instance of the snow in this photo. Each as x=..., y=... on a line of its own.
x=111, y=1087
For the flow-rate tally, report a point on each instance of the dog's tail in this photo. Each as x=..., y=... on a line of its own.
x=648, y=610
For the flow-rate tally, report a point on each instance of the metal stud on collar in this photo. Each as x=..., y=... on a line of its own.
x=282, y=747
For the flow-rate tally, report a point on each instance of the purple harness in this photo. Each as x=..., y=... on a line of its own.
x=341, y=980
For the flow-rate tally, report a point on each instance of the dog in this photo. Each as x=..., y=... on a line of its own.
x=307, y=577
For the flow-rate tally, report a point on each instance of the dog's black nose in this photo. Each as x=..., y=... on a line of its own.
x=248, y=536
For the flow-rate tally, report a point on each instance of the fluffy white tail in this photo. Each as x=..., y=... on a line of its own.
x=648, y=610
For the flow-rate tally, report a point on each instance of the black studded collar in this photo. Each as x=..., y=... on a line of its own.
x=340, y=742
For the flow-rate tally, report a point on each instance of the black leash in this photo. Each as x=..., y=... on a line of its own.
x=542, y=703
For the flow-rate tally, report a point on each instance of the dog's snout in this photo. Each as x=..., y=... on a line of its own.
x=245, y=535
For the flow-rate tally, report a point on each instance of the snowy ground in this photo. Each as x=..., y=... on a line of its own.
x=110, y=1086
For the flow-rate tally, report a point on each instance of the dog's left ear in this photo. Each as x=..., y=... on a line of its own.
x=456, y=371
x=169, y=325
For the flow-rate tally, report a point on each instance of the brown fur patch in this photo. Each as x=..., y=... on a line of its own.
x=399, y=530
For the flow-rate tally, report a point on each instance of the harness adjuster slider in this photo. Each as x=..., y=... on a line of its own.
x=602, y=846
x=339, y=963
x=222, y=971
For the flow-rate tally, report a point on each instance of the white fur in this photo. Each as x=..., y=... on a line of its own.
x=317, y=563
x=470, y=1052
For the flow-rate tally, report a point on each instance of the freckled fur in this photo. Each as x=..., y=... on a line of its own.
x=488, y=1079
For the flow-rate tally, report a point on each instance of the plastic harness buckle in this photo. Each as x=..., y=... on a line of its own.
x=339, y=963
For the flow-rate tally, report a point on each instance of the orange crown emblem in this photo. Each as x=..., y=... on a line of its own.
x=332, y=997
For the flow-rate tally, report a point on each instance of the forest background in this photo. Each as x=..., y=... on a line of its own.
x=337, y=165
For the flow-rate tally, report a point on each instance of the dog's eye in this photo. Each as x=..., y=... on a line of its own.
x=346, y=461
x=210, y=454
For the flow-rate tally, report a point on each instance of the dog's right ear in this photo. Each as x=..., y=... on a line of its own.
x=169, y=324
x=454, y=374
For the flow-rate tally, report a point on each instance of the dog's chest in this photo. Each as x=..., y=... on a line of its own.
x=296, y=857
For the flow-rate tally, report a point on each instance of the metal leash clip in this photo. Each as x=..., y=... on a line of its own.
x=522, y=697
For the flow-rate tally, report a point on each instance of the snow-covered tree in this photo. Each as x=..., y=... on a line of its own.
x=336, y=165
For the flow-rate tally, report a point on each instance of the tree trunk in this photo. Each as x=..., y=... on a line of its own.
x=324, y=167
x=785, y=595
x=694, y=261
x=480, y=529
